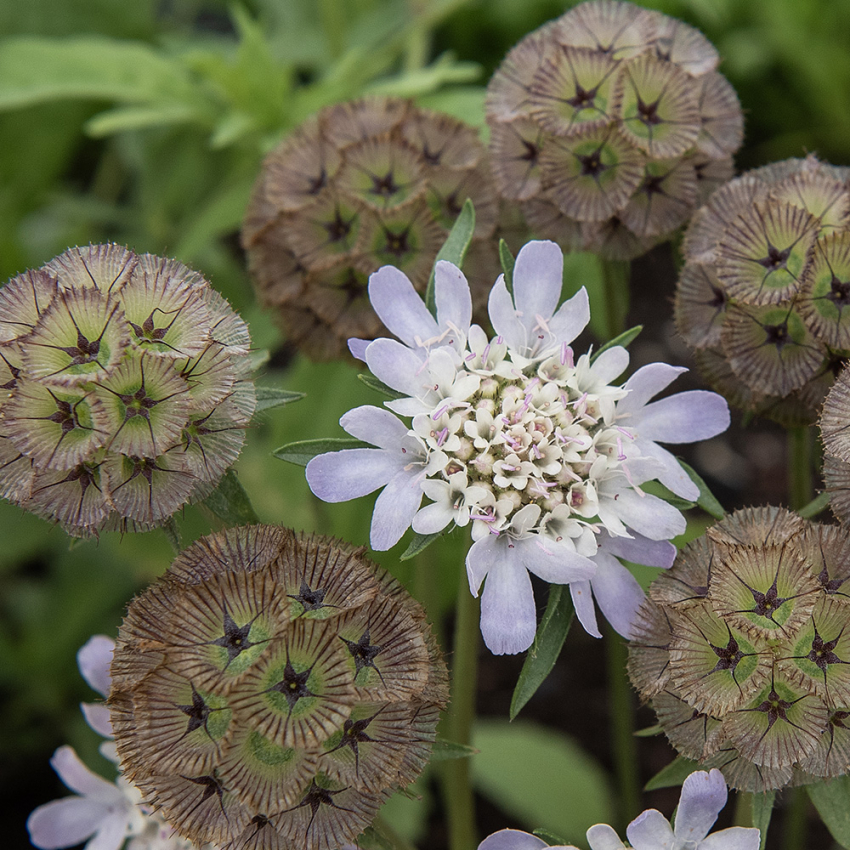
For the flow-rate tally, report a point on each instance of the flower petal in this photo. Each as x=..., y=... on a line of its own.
x=80, y=779
x=479, y=559
x=351, y=473
x=602, y=837
x=558, y=565
x=640, y=549
x=582, y=597
x=734, y=838
x=66, y=822
x=650, y=830
x=374, y=425
x=112, y=832
x=703, y=797
x=400, y=307
x=432, y=518
x=394, y=509
x=647, y=382
x=670, y=472
x=610, y=364
x=618, y=593
x=512, y=839
x=649, y=515
x=94, y=659
x=683, y=418
x=358, y=347
x=538, y=279
x=503, y=316
x=453, y=298
x=397, y=366
x=508, y=616
x=571, y=318
x=98, y=717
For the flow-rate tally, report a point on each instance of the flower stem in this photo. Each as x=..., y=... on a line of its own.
x=333, y=23
x=454, y=774
x=800, y=488
x=622, y=729
x=794, y=827
x=615, y=280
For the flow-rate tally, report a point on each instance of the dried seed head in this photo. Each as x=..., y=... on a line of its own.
x=273, y=689
x=127, y=389
x=616, y=117
x=360, y=185
x=765, y=286
x=743, y=647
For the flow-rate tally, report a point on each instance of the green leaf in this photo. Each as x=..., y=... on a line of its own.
x=625, y=339
x=230, y=502
x=817, y=505
x=379, y=386
x=656, y=488
x=303, y=451
x=550, y=838
x=544, y=652
x=271, y=397
x=529, y=771
x=649, y=731
x=832, y=800
x=454, y=248
x=419, y=542
x=138, y=118
x=707, y=500
x=444, y=750
x=674, y=774
x=762, y=810
x=508, y=262
x=445, y=70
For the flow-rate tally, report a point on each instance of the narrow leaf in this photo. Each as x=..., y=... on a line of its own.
x=302, y=452
x=817, y=505
x=550, y=838
x=454, y=248
x=649, y=731
x=625, y=339
x=707, y=500
x=762, y=810
x=444, y=750
x=270, y=397
x=379, y=386
x=674, y=774
x=508, y=263
x=230, y=502
x=832, y=800
x=419, y=542
x=656, y=488
x=544, y=652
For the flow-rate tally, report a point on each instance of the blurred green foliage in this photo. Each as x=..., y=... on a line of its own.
x=146, y=122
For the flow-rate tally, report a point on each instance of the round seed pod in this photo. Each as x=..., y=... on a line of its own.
x=128, y=389
x=743, y=649
x=610, y=125
x=274, y=688
x=374, y=182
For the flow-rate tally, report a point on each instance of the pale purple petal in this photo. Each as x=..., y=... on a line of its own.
x=609, y=365
x=537, y=281
x=508, y=616
x=512, y=839
x=647, y=382
x=479, y=559
x=66, y=822
x=397, y=366
x=432, y=518
x=602, y=837
x=79, y=778
x=351, y=473
x=571, y=318
x=111, y=834
x=640, y=550
x=683, y=418
x=585, y=609
x=94, y=659
x=703, y=797
x=503, y=316
x=670, y=472
x=358, y=347
x=394, y=510
x=557, y=565
x=649, y=515
x=374, y=425
x=400, y=307
x=618, y=593
x=408, y=406
x=453, y=298
x=734, y=838
x=650, y=830
x=98, y=717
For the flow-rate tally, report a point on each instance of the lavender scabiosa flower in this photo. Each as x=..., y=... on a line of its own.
x=703, y=797
x=537, y=451
x=609, y=125
x=128, y=389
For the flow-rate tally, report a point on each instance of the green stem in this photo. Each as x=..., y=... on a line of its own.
x=419, y=41
x=800, y=487
x=743, y=809
x=333, y=23
x=794, y=827
x=622, y=729
x=392, y=837
x=454, y=774
x=615, y=278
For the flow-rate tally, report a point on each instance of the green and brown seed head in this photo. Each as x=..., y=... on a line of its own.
x=764, y=296
x=126, y=389
x=277, y=684
x=609, y=125
x=743, y=650
x=360, y=185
